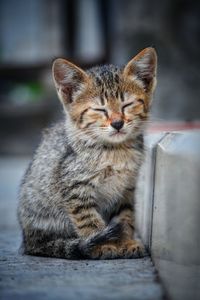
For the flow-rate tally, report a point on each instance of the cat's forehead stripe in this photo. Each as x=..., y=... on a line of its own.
x=107, y=76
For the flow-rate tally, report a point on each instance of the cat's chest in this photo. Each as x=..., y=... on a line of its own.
x=116, y=171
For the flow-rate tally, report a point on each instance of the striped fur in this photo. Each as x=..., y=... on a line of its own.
x=77, y=196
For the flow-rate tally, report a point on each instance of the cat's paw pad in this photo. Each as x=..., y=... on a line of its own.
x=109, y=251
x=132, y=249
x=105, y=252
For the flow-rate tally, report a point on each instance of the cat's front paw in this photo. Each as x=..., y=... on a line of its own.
x=132, y=249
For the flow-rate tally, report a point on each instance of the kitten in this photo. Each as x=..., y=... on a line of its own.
x=77, y=196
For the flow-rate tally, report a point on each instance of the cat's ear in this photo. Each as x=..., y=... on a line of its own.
x=142, y=69
x=69, y=79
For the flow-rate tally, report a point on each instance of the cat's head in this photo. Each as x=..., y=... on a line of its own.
x=107, y=104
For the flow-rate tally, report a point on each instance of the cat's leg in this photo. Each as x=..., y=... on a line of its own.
x=128, y=247
x=117, y=249
x=85, y=217
x=88, y=222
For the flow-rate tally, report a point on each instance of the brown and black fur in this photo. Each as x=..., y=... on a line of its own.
x=77, y=196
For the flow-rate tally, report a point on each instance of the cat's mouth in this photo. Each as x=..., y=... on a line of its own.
x=118, y=136
x=118, y=133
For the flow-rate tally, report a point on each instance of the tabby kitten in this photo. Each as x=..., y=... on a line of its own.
x=77, y=196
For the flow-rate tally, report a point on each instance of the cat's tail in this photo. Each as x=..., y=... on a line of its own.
x=83, y=247
x=77, y=248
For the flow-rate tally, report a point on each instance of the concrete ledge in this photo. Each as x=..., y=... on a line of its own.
x=144, y=192
x=172, y=199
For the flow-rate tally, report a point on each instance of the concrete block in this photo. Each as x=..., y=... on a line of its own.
x=175, y=242
x=144, y=191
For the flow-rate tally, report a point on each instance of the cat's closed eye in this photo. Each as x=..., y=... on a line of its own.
x=101, y=110
x=126, y=105
x=135, y=103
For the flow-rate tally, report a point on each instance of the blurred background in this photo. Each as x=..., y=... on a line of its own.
x=89, y=32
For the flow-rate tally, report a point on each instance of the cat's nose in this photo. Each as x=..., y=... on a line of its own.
x=118, y=124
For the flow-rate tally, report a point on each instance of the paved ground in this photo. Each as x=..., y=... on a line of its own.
x=26, y=277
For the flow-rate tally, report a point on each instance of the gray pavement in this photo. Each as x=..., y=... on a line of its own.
x=27, y=277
